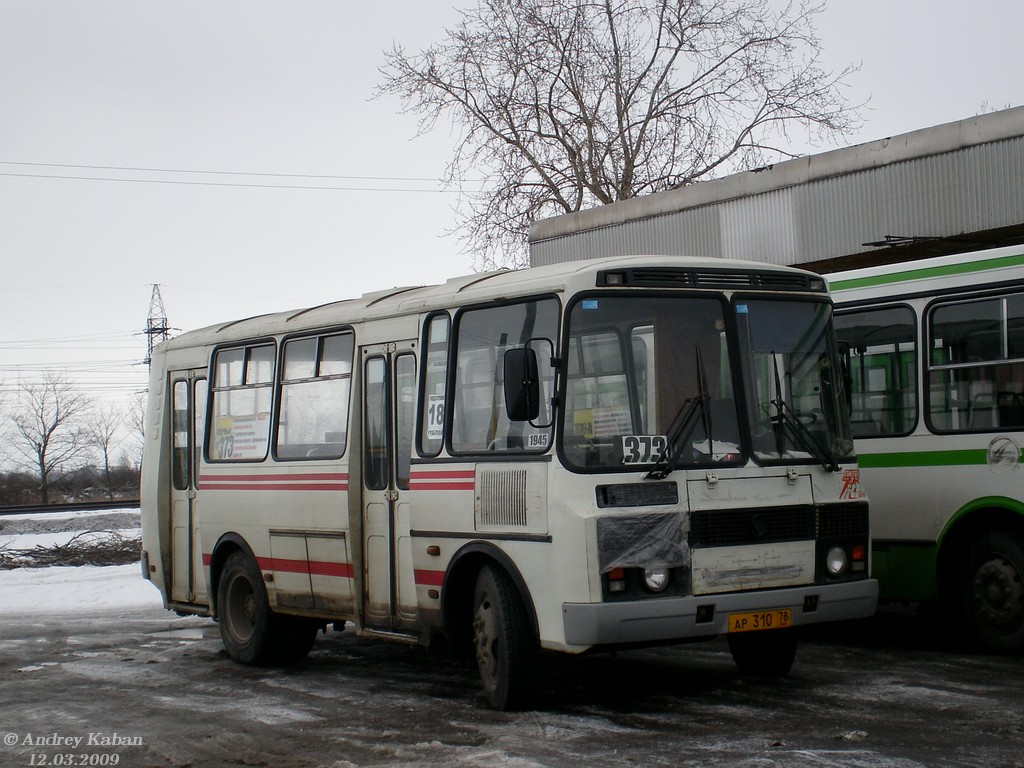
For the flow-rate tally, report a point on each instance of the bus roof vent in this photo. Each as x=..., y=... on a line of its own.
x=722, y=279
x=787, y=281
x=647, y=277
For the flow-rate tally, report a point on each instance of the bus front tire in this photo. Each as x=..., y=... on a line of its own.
x=991, y=591
x=766, y=655
x=502, y=640
x=253, y=634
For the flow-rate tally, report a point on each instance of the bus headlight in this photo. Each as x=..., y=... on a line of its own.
x=835, y=561
x=656, y=579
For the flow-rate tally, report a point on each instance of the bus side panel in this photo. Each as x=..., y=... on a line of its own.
x=296, y=524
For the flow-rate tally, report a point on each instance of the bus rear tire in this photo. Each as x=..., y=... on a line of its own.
x=253, y=634
x=991, y=591
x=502, y=639
x=766, y=655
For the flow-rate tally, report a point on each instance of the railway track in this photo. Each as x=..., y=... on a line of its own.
x=80, y=506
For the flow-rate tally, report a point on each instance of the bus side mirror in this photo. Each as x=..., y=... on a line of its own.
x=522, y=384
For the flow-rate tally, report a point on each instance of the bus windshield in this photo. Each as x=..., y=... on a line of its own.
x=795, y=392
x=650, y=383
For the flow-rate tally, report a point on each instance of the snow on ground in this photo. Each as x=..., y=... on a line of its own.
x=93, y=520
x=83, y=588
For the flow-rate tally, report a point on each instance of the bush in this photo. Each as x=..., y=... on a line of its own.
x=84, y=548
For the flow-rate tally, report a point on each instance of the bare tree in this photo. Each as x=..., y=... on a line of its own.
x=4, y=414
x=102, y=432
x=568, y=104
x=47, y=430
x=135, y=421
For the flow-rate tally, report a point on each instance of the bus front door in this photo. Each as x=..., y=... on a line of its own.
x=188, y=404
x=389, y=389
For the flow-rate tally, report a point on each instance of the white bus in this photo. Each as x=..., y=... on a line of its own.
x=935, y=352
x=586, y=456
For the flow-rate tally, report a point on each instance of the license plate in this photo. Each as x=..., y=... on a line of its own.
x=759, y=620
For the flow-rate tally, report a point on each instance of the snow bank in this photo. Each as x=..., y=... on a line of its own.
x=77, y=589
x=98, y=520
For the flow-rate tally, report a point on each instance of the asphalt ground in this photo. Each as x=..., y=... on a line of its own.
x=142, y=687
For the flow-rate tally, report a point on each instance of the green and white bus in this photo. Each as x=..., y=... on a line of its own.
x=935, y=352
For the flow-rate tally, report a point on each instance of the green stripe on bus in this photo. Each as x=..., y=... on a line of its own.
x=923, y=458
x=916, y=274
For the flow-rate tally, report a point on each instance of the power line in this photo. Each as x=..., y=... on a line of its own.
x=216, y=173
x=247, y=174
x=225, y=184
x=105, y=335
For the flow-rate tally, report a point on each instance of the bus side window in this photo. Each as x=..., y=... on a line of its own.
x=405, y=428
x=181, y=448
x=976, y=372
x=315, y=385
x=882, y=369
x=433, y=406
x=376, y=443
x=199, y=416
x=480, y=419
x=242, y=391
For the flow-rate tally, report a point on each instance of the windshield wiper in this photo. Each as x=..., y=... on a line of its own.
x=683, y=425
x=787, y=417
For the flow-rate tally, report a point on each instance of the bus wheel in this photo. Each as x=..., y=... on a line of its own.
x=502, y=639
x=763, y=655
x=251, y=632
x=992, y=591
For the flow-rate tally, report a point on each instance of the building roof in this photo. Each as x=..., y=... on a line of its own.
x=950, y=187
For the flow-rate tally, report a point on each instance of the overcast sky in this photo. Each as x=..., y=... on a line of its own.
x=213, y=97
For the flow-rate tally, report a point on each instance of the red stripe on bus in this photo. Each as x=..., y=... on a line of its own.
x=429, y=578
x=428, y=480
x=454, y=474
x=279, y=476
x=313, y=567
x=414, y=486
x=257, y=479
x=305, y=481
x=209, y=486
x=342, y=570
x=316, y=567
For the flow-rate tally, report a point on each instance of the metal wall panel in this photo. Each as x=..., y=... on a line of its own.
x=976, y=188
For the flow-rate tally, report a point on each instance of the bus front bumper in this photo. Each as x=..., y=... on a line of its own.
x=669, y=619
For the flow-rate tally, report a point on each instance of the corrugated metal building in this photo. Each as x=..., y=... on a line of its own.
x=952, y=187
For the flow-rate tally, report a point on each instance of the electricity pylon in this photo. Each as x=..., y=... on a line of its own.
x=157, y=329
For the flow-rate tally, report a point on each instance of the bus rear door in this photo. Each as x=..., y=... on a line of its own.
x=188, y=411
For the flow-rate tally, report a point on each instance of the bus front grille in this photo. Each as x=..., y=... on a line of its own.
x=735, y=527
x=844, y=520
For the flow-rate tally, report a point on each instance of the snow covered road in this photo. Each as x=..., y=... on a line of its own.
x=95, y=672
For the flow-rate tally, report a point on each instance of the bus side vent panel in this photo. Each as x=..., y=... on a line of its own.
x=511, y=498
